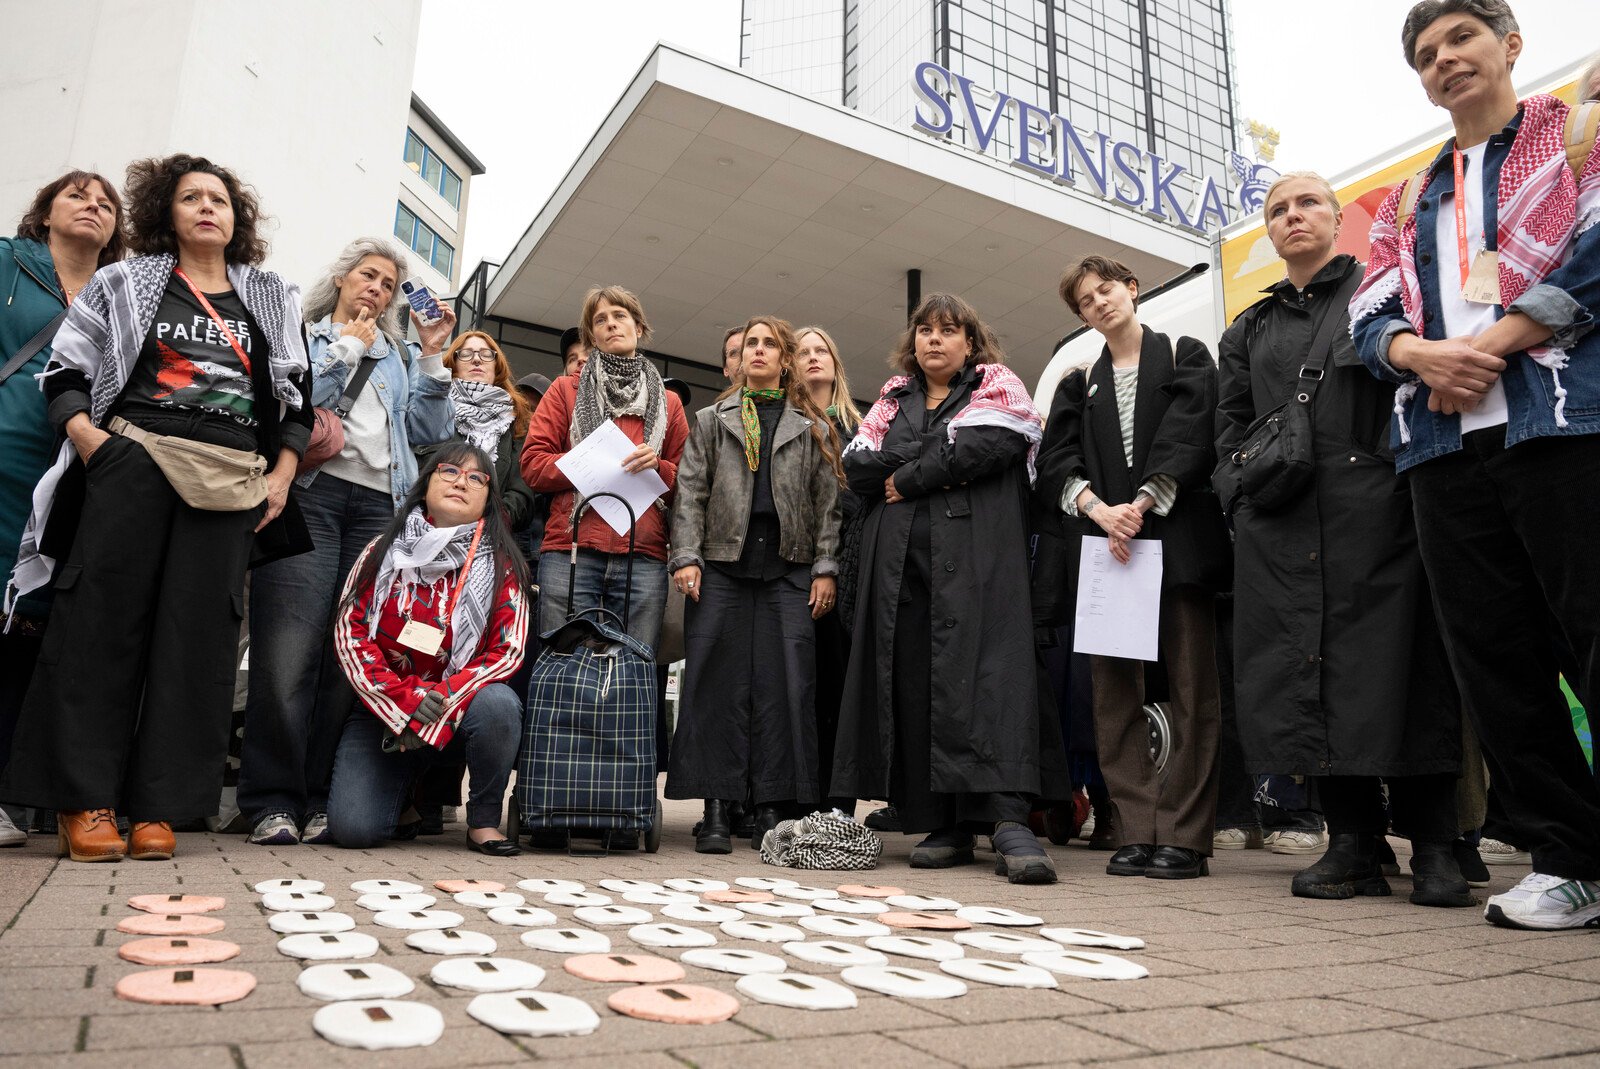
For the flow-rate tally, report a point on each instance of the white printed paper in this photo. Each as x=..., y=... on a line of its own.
x=1119, y=605
x=595, y=465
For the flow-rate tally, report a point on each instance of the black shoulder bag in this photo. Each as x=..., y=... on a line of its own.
x=45, y=336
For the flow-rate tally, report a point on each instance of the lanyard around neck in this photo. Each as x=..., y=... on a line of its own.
x=461, y=580
x=1461, y=215
x=215, y=318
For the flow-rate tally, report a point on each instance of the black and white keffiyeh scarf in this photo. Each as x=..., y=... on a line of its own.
x=612, y=386
x=425, y=557
x=483, y=412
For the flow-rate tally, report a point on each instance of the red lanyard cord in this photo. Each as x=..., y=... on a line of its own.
x=1461, y=216
x=461, y=580
x=215, y=318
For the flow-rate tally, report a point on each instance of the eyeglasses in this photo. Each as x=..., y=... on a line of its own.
x=476, y=356
x=478, y=480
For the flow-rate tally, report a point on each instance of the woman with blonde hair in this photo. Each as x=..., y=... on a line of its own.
x=817, y=359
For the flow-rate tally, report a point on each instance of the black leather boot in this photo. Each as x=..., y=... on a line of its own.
x=1436, y=878
x=767, y=818
x=1177, y=863
x=1349, y=868
x=715, y=834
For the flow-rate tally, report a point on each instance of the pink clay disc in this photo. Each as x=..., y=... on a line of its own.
x=623, y=968
x=455, y=887
x=186, y=987
x=933, y=921
x=177, y=951
x=674, y=1004
x=177, y=903
x=170, y=924
x=859, y=890
x=737, y=894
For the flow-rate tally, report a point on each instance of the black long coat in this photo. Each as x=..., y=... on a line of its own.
x=988, y=734
x=1339, y=670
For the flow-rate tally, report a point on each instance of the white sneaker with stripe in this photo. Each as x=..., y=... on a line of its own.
x=1546, y=903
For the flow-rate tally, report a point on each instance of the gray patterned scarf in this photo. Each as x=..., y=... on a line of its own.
x=427, y=557
x=612, y=386
x=483, y=412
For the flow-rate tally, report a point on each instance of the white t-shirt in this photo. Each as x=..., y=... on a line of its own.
x=1463, y=318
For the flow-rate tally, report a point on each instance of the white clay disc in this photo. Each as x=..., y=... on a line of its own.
x=487, y=974
x=765, y=883
x=996, y=915
x=385, y=887
x=383, y=1024
x=864, y=907
x=846, y=927
x=522, y=916
x=695, y=886
x=1088, y=937
x=576, y=898
x=797, y=990
x=403, y=901
x=318, y=923
x=999, y=973
x=776, y=909
x=342, y=946
x=916, y=946
x=567, y=940
x=612, y=915
x=308, y=887
x=417, y=919
x=803, y=893
x=663, y=897
x=743, y=962
x=452, y=941
x=1088, y=965
x=339, y=983
x=763, y=931
x=700, y=913
x=534, y=1013
x=902, y=982
x=1004, y=942
x=544, y=887
x=828, y=952
x=670, y=935
x=624, y=886
x=489, y=899
x=922, y=904
x=296, y=902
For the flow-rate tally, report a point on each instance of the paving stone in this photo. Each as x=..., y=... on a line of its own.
x=1381, y=1050
x=880, y=1052
x=1155, y=993
x=1520, y=1037
x=183, y=1058
x=1015, y=1043
x=874, y=1013
x=1320, y=1016
x=1472, y=963
x=55, y=1035
x=1212, y=1058
x=1185, y=1028
x=1470, y=998
x=984, y=1004
x=465, y=1044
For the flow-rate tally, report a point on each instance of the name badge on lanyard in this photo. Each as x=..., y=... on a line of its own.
x=1480, y=281
x=426, y=639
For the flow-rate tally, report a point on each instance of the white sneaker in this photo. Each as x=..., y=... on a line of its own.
x=1495, y=852
x=275, y=829
x=1300, y=842
x=1545, y=903
x=1236, y=839
x=315, y=833
x=10, y=834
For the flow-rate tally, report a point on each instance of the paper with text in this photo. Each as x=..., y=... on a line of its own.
x=1119, y=605
x=595, y=465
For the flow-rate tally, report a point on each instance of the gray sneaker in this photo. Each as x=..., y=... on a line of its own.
x=275, y=829
x=10, y=834
x=316, y=833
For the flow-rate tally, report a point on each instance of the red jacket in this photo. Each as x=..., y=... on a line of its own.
x=391, y=680
x=549, y=439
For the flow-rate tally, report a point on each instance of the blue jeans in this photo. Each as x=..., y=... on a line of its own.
x=602, y=582
x=370, y=787
x=299, y=697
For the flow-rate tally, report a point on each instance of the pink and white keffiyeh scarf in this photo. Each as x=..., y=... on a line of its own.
x=1001, y=400
x=1542, y=210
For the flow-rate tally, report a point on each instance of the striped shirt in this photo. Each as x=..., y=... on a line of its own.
x=1162, y=488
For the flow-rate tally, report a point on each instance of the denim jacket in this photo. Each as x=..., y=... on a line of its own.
x=1563, y=301
x=418, y=404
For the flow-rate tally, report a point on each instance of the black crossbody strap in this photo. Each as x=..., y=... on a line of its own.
x=35, y=343
x=353, y=387
x=1314, y=369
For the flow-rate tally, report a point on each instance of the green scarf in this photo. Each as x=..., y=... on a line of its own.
x=752, y=422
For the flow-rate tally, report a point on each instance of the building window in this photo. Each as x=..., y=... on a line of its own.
x=426, y=163
x=421, y=239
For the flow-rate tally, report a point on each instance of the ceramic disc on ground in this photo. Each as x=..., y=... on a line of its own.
x=743, y=962
x=670, y=935
x=999, y=973
x=534, y=1013
x=296, y=902
x=940, y=922
x=567, y=940
x=170, y=924
x=1087, y=965
x=382, y=1024
x=489, y=899
x=996, y=915
x=384, y=887
x=695, y=885
x=1005, y=943
x=455, y=887
x=310, y=887
x=763, y=931
x=177, y=951
x=177, y=904
x=765, y=883
x=340, y=946
x=846, y=927
x=403, y=902
x=624, y=886
x=316, y=923
x=781, y=910
x=803, y=893
x=662, y=897
x=797, y=990
x=828, y=952
x=576, y=898
x=1088, y=937
x=738, y=896
x=699, y=913
x=339, y=983
x=863, y=907
x=623, y=968
x=522, y=916
x=452, y=941
x=186, y=987
x=611, y=915
x=416, y=919
x=869, y=890
x=487, y=974
x=902, y=982
x=674, y=1004
x=912, y=946
x=544, y=887
x=923, y=904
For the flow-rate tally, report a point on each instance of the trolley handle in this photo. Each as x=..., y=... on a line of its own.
x=572, y=574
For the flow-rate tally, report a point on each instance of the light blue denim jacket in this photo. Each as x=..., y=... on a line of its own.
x=419, y=406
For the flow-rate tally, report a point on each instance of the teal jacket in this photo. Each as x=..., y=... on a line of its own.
x=29, y=298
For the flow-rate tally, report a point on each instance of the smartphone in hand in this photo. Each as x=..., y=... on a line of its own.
x=422, y=302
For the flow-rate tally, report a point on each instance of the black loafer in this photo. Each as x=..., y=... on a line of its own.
x=496, y=847
x=1130, y=860
x=1177, y=863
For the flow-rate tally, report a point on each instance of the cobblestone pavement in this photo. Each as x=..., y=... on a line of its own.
x=1242, y=974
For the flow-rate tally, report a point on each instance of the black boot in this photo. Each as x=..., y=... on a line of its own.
x=715, y=833
x=767, y=818
x=1436, y=879
x=1349, y=868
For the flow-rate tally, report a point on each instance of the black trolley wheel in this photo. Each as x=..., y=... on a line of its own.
x=652, y=834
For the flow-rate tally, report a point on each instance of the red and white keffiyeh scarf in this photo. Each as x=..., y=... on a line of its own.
x=1542, y=210
x=1001, y=400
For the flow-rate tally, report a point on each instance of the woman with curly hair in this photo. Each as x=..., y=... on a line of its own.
x=180, y=381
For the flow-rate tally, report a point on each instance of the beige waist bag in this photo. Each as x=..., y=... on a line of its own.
x=212, y=478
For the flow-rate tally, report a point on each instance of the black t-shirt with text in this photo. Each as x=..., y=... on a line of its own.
x=187, y=360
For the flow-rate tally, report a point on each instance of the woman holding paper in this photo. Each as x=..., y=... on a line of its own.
x=754, y=537
x=1128, y=457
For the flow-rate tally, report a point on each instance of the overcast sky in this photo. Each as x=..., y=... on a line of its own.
x=525, y=85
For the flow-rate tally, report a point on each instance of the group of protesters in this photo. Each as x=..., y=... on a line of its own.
x=1371, y=507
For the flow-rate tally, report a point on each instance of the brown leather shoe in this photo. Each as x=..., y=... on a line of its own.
x=151, y=840
x=90, y=835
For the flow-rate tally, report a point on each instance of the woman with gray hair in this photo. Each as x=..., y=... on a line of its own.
x=298, y=698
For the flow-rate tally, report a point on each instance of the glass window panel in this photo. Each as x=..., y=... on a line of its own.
x=452, y=188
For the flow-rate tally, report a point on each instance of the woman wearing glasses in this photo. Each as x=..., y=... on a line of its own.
x=492, y=414
x=431, y=622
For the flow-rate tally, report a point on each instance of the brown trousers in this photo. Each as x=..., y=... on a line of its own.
x=1178, y=807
